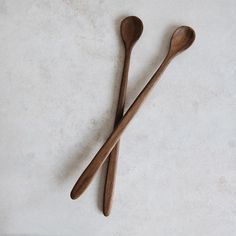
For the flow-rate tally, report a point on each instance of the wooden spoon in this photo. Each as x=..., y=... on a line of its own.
x=131, y=29
x=181, y=39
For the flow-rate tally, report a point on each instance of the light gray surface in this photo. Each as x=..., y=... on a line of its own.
x=60, y=67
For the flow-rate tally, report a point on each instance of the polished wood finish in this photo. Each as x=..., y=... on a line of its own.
x=131, y=29
x=181, y=39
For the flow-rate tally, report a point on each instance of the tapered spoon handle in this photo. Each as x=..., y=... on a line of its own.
x=112, y=160
x=87, y=176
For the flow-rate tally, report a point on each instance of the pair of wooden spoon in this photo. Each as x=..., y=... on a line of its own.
x=131, y=29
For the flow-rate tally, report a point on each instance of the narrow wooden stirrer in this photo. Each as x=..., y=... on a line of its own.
x=181, y=39
x=131, y=29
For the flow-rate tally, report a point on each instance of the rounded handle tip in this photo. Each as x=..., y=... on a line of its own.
x=106, y=211
x=73, y=195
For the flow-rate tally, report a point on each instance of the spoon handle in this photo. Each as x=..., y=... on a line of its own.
x=112, y=160
x=88, y=174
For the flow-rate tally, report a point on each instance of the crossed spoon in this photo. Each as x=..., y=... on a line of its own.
x=182, y=38
x=131, y=29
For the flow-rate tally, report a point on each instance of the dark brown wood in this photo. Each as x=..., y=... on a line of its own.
x=181, y=39
x=131, y=30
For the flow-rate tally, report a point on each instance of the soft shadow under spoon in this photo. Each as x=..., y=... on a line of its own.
x=182, y=38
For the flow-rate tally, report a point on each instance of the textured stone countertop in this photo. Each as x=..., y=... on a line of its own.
x=60, y=70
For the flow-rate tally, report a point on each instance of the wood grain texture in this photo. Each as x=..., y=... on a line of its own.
x=131, y=29
x=181, y=39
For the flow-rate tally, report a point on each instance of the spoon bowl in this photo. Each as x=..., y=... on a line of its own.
x=131, y=29
x=182, y=38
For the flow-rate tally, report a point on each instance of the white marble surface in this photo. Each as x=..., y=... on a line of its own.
x=60, y=67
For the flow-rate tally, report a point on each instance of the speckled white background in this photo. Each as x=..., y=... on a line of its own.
x=60, y=68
